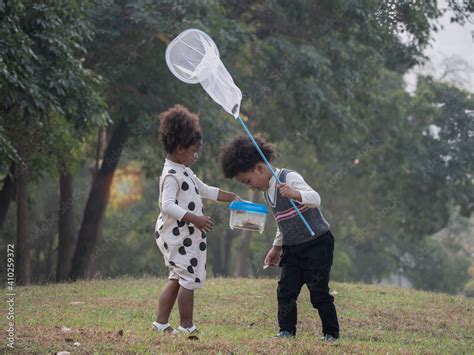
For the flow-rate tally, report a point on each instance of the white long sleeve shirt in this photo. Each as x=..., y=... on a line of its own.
x=171, y=188
x=309, y=197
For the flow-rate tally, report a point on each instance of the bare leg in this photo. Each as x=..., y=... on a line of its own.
x=167, y=300
x=185, y=306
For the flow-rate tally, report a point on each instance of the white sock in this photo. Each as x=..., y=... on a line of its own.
x=160, y=327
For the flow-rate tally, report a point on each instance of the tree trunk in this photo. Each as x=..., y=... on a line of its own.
x=6, y=195
x=23, y=269
x=229, y=237
x=217, y=269
x=221, y=254
x=243, y=261
x=97, y=202
x=244, y=250
x=65, y=227
x=99, y=158
x=100, y=149
x=50, y=253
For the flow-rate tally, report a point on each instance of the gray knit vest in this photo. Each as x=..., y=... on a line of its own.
x=291, y=226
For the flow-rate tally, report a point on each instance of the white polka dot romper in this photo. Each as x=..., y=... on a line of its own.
x=183, y=246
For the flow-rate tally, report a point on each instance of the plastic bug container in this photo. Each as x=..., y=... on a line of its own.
x=247, y=215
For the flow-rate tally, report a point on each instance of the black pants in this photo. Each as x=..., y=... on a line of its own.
x=308, y=263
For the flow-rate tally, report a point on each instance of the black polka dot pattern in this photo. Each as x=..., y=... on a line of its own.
x=194, y=264
x=187, y=242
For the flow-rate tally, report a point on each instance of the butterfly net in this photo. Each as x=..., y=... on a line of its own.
x=193, y=57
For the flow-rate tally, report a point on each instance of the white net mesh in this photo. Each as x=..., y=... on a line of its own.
x=193, y=57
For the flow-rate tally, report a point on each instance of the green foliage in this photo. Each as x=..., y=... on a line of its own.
x=437, y=270
x=469, y=289
x=7, y=149
x=41, y=48
x=321, y=80
x=41, y=77
x=453, y=116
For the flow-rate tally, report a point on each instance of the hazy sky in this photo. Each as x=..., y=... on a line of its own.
x=453, y=45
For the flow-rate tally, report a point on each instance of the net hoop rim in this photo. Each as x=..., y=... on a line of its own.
x=177, y=39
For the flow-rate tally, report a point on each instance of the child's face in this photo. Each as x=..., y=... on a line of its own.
x=188, y=156
x=256, y=179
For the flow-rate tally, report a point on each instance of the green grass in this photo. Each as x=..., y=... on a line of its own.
x=236, y=315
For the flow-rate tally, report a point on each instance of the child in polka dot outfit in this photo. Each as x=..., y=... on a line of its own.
x=181, y=227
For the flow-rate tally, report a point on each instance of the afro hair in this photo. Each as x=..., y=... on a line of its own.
x=179, y=127
x=240, y=155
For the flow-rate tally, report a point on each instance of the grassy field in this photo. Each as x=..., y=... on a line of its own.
x=236, y=315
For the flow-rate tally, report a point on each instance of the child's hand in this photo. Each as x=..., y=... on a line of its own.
x=289, y=192
x=272, y=257
x=225, y=196
x=203, y=223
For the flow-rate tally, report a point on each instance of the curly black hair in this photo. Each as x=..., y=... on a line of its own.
x=240, y=155
x=179, y=127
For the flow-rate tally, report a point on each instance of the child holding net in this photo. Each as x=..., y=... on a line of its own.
x=304, y=258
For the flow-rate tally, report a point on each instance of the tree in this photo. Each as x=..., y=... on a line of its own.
x=41, y=76
x=137, y=90
x=328, y=93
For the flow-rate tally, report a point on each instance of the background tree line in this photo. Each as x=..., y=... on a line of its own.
x=82, y=84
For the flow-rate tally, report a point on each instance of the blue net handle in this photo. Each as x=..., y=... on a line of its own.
x=274, y=174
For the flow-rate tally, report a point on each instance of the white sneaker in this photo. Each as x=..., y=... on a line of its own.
x=163, y=328
x=190, y=332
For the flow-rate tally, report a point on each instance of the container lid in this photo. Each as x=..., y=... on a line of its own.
x=248, y=206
